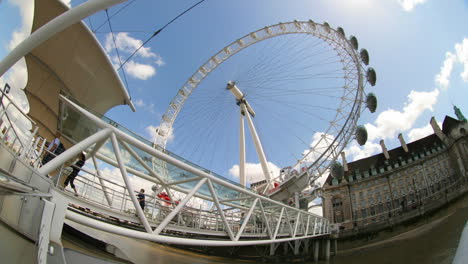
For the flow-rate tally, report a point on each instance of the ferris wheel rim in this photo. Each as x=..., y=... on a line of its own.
x=321, y=31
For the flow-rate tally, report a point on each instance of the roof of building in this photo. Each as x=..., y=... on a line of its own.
x=73, y=63
x=449, y=124
x=396, y=155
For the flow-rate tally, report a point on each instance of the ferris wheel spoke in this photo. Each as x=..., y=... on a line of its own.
x=303, y=83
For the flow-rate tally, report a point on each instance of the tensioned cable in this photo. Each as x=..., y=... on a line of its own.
x=117, y=50
x=108, y=18
x=159, y=31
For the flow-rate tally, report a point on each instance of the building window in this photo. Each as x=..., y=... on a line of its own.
x=363, y=213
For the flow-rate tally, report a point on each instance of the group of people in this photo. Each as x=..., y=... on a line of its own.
x=54, y=149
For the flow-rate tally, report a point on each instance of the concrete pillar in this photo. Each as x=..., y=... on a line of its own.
x=297, y=243
x=327, y=249
x=316, y=250
x=285, y=247
x=272, y=249
x=306, y=246
x=335, y=247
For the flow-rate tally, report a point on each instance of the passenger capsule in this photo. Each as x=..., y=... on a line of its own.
x=361, y=135
x=364, y=56
x=371, y=102
x=371, y=76
x=354, y=42
x=340, y=30
x=337, y=170
x=327, y=26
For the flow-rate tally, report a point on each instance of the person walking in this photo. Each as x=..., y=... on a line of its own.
x=76, y=168
x=141, y=198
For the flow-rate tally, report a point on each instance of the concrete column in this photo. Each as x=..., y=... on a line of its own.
x=335, y=247
x=316, y=250
x=296, y=247
x=327, y=249
x=272, y=249
x=306, y=246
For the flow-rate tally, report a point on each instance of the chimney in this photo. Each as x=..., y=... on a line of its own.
x=402, y=142
x=437, y=129
x=345, y=163
x=384, y=149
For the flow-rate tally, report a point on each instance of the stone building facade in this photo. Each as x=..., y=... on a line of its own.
x=403, y=183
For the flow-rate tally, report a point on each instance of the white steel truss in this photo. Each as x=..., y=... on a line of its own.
x=249, y=219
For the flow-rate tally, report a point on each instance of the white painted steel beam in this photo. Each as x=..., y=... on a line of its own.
x=245, y=220
x=220, y=210
x=258, y=147
x=56, y=25
x=168, y=239
x=73, y=151
x=242, y=150
x=101, y=182
x=129, y=186
x=178, y=208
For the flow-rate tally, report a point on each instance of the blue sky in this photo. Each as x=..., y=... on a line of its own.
x=419, y=49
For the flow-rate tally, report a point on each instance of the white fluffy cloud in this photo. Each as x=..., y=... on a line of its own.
x=461, y=50
x=139, y=70
x=418, y=133
x=142, y=69
x=390, y=122
x=459, y=56
x=443, y=77
x=127, y=44
x=408, y=5
x=254, y=172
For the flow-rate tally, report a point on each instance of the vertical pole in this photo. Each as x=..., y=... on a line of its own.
x=29, y=144
x=316, y=250
x=242, y=149
x=131, y=193
x=258, y=146
x=327, y=249
x=104, y=188
x=56, y=25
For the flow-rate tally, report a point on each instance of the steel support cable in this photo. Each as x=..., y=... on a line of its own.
x=159, y=31
x=116, y=49
x=114, y=14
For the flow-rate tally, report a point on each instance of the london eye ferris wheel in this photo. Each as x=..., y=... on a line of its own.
x=297, y=87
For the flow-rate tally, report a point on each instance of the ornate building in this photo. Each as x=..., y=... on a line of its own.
x=403, y=183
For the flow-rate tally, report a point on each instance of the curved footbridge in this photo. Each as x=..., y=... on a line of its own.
x=212, y=210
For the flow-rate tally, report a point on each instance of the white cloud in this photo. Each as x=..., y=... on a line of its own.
x=142, y=66
x=391, y=122
x=443, y=77
x=140, y=103
x=408, y=5
x=460, y=55
x=127, y=44
x=254, y=172
x=356, y=152
x=139, y=70
x=418, y=133
x=26, y=8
